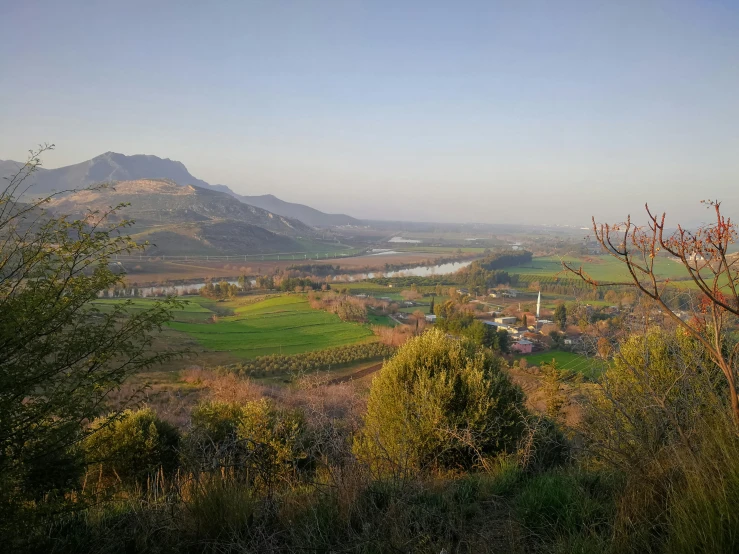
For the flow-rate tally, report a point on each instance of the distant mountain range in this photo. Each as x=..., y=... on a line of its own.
x=306, y=214
x=111, y=167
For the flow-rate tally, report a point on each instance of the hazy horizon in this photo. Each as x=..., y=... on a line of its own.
x=490, y=112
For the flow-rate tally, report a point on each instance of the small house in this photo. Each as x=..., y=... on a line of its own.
x=507, y=320
x=499, y=326
x=522, y=346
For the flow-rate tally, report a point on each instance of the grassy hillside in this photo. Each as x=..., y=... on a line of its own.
x=213, y=238
x=278, y=325
x=589, y=367
x=286, y=324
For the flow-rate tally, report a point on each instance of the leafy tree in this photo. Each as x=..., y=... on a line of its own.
x=659, y=403
x=440, y=402
x=244, y=282
x=60, y=355
x=257, y=437
x=445, y=310
x=560, y=316
x=265, y=282
x=557, y=339
x=431, y=306
x=132, y=446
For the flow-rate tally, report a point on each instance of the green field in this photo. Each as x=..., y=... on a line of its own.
x=195, y=309
x=600, y=268
x=285, y=324
x=383, y=320
x=590, y=368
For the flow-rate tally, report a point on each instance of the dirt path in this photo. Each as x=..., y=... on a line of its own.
x=356, y=375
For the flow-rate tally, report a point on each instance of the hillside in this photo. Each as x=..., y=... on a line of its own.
x=306, y=214
x=155, y=201
x=111, y=167
x=190, y=219
x=214, y=237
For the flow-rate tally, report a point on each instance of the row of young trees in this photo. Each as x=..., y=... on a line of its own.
x=220, y=291
x=312, y=361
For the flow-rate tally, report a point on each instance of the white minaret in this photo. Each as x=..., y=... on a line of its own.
x=538, y=306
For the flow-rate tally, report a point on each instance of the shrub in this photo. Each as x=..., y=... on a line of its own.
x=254, y=437
x=132, y=447
x=440, y=402
x=661, y=419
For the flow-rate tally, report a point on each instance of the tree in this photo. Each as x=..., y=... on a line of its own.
x=440, y=402
x=431, y=306
x=265, y=282
x=131, y=447
x=445, y=310
x=410, y=294
x=704, y=253
x=611, y=296
x=60, y=355
x=560, y=316
x=244, y=282
x=420, y=323
x=255, y=437
x=604, y=348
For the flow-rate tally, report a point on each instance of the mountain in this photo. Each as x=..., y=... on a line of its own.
x=107, y=168
x=9, y=168
x=155, y=201
x=188, y=218
x=111, y=166
x=306, y=214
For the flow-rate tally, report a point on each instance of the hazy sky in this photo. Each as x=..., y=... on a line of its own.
x=489, y=111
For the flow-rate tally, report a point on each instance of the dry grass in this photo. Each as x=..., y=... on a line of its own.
x=393, y=336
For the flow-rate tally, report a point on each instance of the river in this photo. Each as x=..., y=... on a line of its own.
x=421, y=271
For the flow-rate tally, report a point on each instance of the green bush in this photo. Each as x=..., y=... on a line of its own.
x=132, y=447
x=255, y=437
x=440, y=402
x=661, y=419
